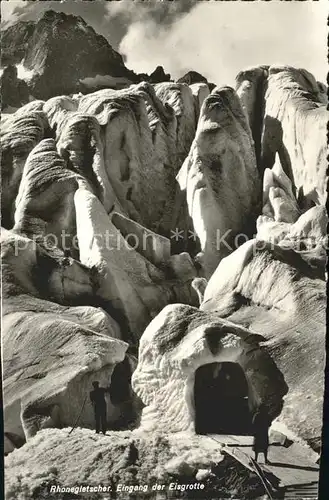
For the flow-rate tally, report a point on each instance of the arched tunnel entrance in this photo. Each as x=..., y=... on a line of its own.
x=221, y=399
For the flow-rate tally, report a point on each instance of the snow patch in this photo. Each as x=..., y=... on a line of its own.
x=105, y=80
x=24, y=73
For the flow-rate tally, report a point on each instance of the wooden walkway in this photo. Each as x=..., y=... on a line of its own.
x=301, y=492
x=294, y=467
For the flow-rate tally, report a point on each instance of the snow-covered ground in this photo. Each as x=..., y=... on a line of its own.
x=82, y=458
x=94, y=82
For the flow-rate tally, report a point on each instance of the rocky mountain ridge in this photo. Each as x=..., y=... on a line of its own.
x=62, y=45
x=112, y=265
x=66, y=46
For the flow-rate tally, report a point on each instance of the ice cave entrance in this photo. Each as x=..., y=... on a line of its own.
x=221, y=400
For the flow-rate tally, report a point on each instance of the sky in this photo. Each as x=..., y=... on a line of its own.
x=215, y=38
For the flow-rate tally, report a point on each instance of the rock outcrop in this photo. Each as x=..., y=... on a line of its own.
x=192, y=77
x=159, y=75
x=14, y=42
x=14, y=92
x=220, y=177
x=46, y=47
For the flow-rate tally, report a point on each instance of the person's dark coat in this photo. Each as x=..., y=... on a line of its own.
x=261, y=423
x=97, y=397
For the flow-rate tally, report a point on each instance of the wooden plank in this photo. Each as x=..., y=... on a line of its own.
x=293, y=465
x=250, y=464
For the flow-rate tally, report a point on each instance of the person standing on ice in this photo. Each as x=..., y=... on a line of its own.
x=97, y=397
x=261, y=423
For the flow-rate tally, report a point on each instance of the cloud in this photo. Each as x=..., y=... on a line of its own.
x=220, y=38
x=162, y=12
x=10, y=11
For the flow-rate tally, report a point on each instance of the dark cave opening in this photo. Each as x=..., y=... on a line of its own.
x=120, y=388
x=221, y=400
x=122, y=397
